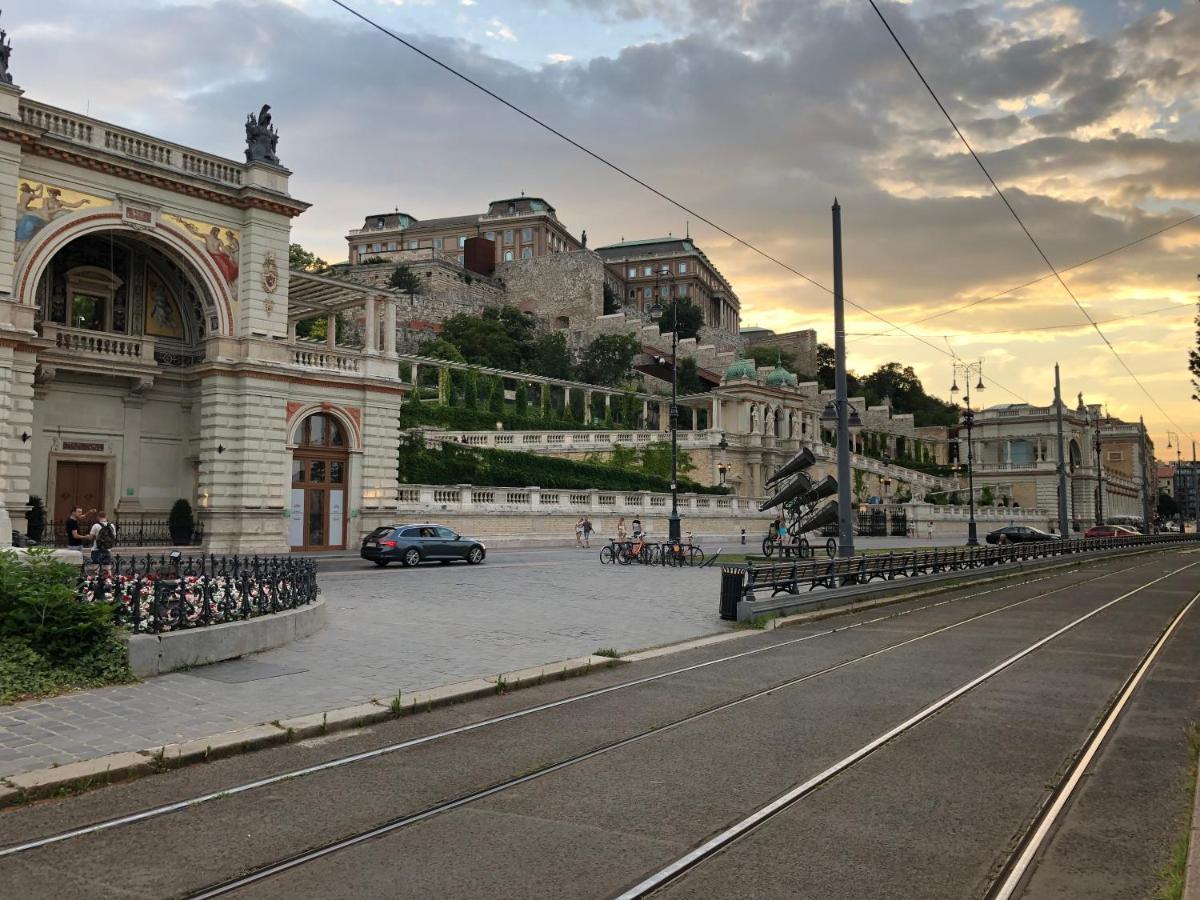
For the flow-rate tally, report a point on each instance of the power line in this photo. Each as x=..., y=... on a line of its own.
x=1080, y=264
x=621, y=171
x=1009, y=206
x=969, y=334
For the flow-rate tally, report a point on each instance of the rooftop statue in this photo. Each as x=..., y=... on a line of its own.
x=261, y=137
x=5, y=53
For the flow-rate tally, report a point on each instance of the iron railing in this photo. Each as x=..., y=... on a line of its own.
x=132, y=533
x=155, y=595
x=810, y=574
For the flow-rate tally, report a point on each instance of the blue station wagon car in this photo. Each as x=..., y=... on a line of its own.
x=417, y=543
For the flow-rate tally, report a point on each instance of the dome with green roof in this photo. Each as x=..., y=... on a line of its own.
x=781, y=377
x=741, y=368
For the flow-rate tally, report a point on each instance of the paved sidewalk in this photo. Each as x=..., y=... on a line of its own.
x=388, y=630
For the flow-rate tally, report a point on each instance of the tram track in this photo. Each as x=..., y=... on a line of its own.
x=399, y=746
x=312, y=855
x=1018, y=866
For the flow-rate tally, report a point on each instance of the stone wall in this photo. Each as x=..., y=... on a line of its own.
x=565, y=290
x=802, y=345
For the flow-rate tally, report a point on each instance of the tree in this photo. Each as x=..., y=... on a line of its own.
x=471, y=390
x=550, y=356
x=607, y=359
x=405, y=279
x=496, y=400
x=690, y=321
x=689, y=378
x=611, y=305
x=317, y=328
x=521, y=399
x=486, y=340
x=1194, y=360
x=770, y=356
x=1168, y=506
x=299, y=258
x=442, y=349
x=656, y=460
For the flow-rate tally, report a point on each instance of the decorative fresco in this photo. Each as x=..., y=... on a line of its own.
x=223, y=246
x=39, y=204
x=161, y=315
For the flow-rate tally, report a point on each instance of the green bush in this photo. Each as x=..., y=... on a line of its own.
x=26, y=673
x=415, y=413
x=39, y=604
x=498, y=468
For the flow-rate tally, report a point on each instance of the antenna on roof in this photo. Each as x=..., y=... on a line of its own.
x=689, y=229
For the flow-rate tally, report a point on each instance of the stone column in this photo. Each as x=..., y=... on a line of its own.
x=331, y=330
x=414, y=372
x=1008, y=454
x=291, y=332
x=645, y=415
x=371, y=332
x=389, y=327
x=131, y=455
x=16, y=455
x=664, y=416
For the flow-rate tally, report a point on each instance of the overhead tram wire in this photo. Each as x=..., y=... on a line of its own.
x=641, y=183
x=1078, y=265
x=1016, y=216
x=969, y=334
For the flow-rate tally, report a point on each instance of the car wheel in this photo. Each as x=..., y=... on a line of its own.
x=475, y=556
x=382, y=563
x=411, y=557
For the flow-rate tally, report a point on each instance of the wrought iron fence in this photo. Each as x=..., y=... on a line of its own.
x=158, y=594
x=132, y=533
x=810, y=574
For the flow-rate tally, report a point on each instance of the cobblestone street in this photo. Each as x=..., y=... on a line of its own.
x=389, y=630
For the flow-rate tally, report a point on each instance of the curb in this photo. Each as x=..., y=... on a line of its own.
x=84, y=775
x=87, y=774
x=1191, y=872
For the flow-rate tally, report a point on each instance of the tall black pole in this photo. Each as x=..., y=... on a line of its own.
x=1146, y=463
x=969, y=418
x=1195, y=490
x=673, y=532
x=845, y=523
x=1099, y=477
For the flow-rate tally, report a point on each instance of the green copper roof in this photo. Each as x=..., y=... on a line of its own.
x=741, y=368
x=781, y=377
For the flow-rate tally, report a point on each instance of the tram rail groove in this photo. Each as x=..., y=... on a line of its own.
x=350, y=759
x=727, y=836
x=1021, y=863
x=400, y=822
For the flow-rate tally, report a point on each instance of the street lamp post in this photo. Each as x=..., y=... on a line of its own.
x=1177, y=478
x=666, y=277
x=1099, y=471
x=969, y=371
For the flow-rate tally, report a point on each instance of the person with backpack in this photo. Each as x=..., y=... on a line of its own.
x=587, y=532
x=104, y=538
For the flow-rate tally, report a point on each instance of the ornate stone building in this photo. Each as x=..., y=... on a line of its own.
x=145, y=347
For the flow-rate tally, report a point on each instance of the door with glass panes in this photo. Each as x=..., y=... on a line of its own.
x=320, y=466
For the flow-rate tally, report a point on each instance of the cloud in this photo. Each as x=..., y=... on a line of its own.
x=500, y=32
x=755, y=112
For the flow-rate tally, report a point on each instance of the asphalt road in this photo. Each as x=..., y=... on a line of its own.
x=934, y=812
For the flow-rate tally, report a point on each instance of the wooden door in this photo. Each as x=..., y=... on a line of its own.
x=77, y=484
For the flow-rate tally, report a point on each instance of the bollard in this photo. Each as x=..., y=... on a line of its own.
x=733, y=580
x=743, y=535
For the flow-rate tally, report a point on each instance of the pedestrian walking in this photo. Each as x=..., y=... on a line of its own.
x=104, y=538
x=579, y=534
x=621, y=529
x=76, y=536
x=587, y=532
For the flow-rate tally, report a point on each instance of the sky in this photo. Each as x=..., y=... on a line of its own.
x=754, y=113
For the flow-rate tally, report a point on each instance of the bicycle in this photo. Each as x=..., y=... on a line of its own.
x=610, y=553
x=681, y=554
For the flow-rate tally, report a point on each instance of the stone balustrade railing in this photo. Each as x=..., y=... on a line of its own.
x=124, y=142
x=87, y=343
x=465, y=498
x=319, y=357
x=1017, y=515
x=559, y=441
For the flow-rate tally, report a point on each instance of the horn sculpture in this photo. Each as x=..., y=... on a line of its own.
x=826, y=487
x=801, y=460
x=826, y=515
x=801, y=485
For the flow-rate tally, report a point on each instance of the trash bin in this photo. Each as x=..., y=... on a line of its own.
x=733, y=581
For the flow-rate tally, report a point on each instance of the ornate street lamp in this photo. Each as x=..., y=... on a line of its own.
x=969, y=370
x=665, y=278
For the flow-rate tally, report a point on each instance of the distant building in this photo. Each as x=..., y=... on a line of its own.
x=636, y=266
x=1184, y=487
x=519, y=227
x=1166, y=479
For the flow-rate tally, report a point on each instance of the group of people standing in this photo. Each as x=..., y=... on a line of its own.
x=98, y=533
x=584, y=529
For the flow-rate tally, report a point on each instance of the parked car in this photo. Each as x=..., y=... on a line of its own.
x=1107, y=531
x=413, y=544
x=1015, y=534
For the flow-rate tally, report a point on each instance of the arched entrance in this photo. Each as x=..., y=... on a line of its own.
x=320, y=476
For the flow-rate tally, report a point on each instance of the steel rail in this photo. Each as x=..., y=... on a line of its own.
x=1019, y=866
x=350, y=759
x=400, y=822
x=727, y=836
